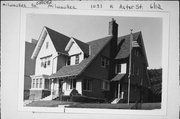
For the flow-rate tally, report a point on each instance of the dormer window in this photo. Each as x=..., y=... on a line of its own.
x=77, y=59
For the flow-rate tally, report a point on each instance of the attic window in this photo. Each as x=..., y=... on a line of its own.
x=47, y=45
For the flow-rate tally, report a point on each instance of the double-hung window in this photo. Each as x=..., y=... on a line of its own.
x=104, y=62
x=77, y=59
x=87, y=84
x=120, y=68
x=105, y=85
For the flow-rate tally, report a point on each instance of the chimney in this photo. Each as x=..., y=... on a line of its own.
x=113, y=28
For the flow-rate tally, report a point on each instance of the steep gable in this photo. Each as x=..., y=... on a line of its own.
x=84, y=46
x=124, y=45
x=59, y=41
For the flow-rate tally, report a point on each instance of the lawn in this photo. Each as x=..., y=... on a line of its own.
x=56, y=103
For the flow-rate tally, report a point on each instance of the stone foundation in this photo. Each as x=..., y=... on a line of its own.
x=38, y=94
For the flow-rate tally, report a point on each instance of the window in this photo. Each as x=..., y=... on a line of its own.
x=69, y=61
x=71, y=84
x=47, y=45
x=45, y=61
x=123, y=68
x=87, y=84
x=37, y=83
x=105, y=85
x=118, y=68
x=33, y=86
x=40, y=83
x=49, y=62
x=104, y=62
x=77, y=59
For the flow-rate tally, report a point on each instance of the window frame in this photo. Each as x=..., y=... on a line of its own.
x=87, y=85
x=77, y=59
x=105, y=85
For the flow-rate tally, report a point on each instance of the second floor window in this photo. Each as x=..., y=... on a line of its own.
x=77, y=59
x=104, y=62
x=120, y=68
x=46, y=61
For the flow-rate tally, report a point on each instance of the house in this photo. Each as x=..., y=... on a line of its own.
x=29, y=66
x=97, y=69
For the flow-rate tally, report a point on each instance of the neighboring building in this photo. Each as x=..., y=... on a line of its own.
x=98, y=69
x=29, y=63
x=29, y=68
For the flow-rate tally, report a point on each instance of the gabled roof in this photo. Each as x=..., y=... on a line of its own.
x=84, y=46
x=59, y=40
x=93, y=48
x=124, y=45
x=72, y=70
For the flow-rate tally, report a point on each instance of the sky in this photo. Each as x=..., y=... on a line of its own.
x=88, y=28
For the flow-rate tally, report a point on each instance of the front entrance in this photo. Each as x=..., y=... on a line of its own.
x=118, y=91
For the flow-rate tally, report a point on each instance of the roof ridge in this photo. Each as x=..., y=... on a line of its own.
x=99, y=39
x=129, y=34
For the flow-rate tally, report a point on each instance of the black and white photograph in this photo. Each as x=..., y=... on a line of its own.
x=89, y=61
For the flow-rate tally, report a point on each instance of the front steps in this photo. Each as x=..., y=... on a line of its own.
x=116, y=100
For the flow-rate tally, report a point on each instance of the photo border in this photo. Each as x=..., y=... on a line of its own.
x=165, y=60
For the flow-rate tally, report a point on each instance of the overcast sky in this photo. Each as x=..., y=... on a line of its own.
x=88, y=28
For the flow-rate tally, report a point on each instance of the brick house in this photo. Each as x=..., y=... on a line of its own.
x=97, y=69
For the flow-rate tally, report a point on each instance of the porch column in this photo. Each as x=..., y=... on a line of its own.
x=43, y=83
x=119, y=90
x=52, y=88
x=32, y=82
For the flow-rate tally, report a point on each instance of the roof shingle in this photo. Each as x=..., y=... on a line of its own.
x=84, y=46
x=59, y=40
x=71, y=70
x=124, y=45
